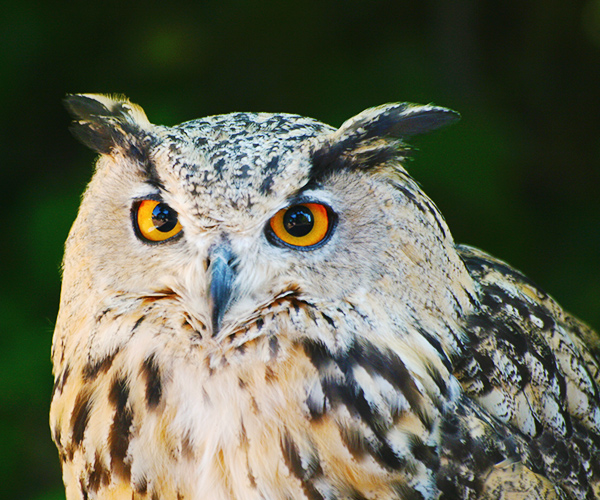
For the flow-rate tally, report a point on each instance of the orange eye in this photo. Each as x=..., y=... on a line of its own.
x=156, y=221
x=303, y=225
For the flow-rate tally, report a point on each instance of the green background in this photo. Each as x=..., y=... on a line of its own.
x=519, y=176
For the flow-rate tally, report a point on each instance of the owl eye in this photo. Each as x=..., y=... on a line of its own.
x=304, y=225
x=155, y=221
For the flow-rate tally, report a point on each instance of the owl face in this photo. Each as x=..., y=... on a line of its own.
x=231, y=213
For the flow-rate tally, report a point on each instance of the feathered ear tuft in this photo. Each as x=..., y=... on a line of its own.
x=396, y=120
x=367, y=139
x=104, y=123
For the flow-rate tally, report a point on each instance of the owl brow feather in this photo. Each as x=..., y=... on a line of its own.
x=152, y=177
x=347, y=155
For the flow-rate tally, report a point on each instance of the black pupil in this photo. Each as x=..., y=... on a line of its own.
x=298, y=221
x=164, y=217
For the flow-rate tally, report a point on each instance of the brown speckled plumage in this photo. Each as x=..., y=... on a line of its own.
x=382, y=361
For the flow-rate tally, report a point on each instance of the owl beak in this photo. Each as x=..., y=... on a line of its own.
x=222, y=273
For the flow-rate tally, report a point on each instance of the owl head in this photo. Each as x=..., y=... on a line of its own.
x=229, y=215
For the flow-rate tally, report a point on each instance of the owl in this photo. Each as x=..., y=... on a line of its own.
x=260, y=306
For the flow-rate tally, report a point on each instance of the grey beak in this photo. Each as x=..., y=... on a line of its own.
x=222, y=273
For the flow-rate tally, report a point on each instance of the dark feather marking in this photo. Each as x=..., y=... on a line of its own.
x=316, y=407
x=243, y=435
x=350, y=393
x=317, y=353
x=405, y=492
x=525, y=309
x=354, y=441
x=141, y=485
x=56, y=434
x=467, y=455
x=270, y=376
x=254, y=406
x=83, y=488
x=138, y=323
x=353, y=397
x=358, y=446
x=328, y=319
x=296, y=304
x=92, y=127
x=435, y=343
x=98, y=475
x=386, y=364
x=479, y=328
x=423, y=204
x=437, y=216
x=267, y=184
x=356, y=495
x=292, y=456
x=120, y=431
x=438, y=379
x=103, y=313
x=424, y=453
x=245, y=446
x=165, y=293
x=61, y=380
x=151, y=372
x=187, y=449
x=93, y=368
x=293, y=461
x=273, y=347
x=384, y=454
x=389, y=365
x=251, y=478
x=80, y=416
x=380, y=155
x=331, y=158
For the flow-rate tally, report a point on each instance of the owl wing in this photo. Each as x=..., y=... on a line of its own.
x=532, y=375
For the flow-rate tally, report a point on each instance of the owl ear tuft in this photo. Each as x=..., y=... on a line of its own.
x=396, y=120
x=104, y=123
x=364, y=140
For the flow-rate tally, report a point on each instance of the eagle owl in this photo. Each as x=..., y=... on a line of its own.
x=262, y=307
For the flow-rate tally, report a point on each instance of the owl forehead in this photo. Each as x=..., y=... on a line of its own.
x=241, y=160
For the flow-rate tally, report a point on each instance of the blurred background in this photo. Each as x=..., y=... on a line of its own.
x=519, y=176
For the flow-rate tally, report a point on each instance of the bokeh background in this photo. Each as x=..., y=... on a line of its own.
x=519, y=176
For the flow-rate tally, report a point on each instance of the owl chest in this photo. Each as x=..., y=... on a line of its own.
x=291, y=426
x=223, y=429
x=273, y=419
